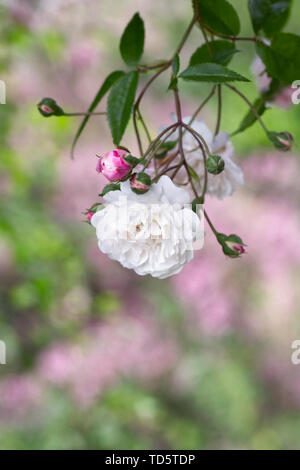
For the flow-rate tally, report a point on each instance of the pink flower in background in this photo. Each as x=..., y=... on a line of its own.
x=284, y=98
x=264, y=169
x=273, y=253
x=70, y=176
x=123, y=347
x=59, y=364
x=18, y=394
x=82, y=54
x=21, y=11
x=208, y=302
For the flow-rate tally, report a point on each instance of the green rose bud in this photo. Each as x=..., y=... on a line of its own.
x=140, y=183
x=232, y=245
x=215, y=165
x=281, y=140
x=48, y=107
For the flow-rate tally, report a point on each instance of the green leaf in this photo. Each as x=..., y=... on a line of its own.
x=132, y=41
x=168, y=145
x=110, y=187
x=258, y=11
x=173, y=83
x=176, y=65
x=120, y=103
x=269, y=15
x=133, y=161
x=193, y=173
x=165, y=148
x=218, y=51
x=209, y=72
x=250, y=117
x=107, y=84
x=277, y=18
x=220, y=16
x=282, y=59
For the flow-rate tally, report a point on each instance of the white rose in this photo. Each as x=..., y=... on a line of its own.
x=221, y=185
x=151, y=233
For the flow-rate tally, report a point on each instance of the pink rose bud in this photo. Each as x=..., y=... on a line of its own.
x=286, y=140
x=48, y=107
x=89, y=215
x=240, y=249
x=140, y=182
x=281, y=140
x=232, y=245
x=113, y=165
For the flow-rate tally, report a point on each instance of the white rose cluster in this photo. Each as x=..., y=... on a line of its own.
x=151, y=233
x=223, y=184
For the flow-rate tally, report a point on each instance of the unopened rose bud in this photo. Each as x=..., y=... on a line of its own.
x=282, y=140
x=91, y=211
x=238, y=249
x=89, y=215
x=215, y=164
x=113, y=165
x=48, y=107
x=232, y=245
x=140, y=182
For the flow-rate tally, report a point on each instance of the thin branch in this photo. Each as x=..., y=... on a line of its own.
x=210, y=223
x=144, y=126
x=83, y=114
x=202, y=105
x=219, y=109
x=155, y=141
x=185, y=36
x=137, y=103
x=187, y=126
x=194, y=134
x=164, y=66
x=233, y=38
x=250, y=106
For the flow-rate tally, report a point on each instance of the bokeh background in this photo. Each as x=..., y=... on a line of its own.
x=98, y=357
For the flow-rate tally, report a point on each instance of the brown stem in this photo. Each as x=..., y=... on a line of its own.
x=180, y=144
x=210, y=223
x=144, y=126
x=163, y=67
x=233, y=38
x=154, y=142
x=187, y=126
x=137, y=103
x=202, y=105
x=238, y=92
x=219, y=109
x=83, y=114
x=194, y=134
x=185, y=36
